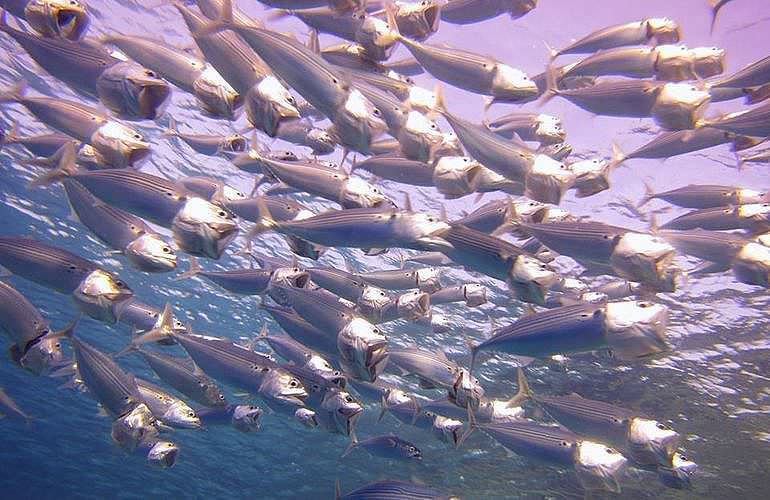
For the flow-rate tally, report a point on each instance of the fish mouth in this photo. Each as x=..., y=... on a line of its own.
x=376, y=357
x=431, y=16
x=152, y=97
x=237, y=144
x=300, y=280
x=71, y=23
x=351, y=416
x=136, y=154
x=169, y=458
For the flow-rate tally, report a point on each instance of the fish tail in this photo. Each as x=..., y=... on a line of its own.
x=472, y=425
x=618, y=156
x=195, y=269
x=440, y=102
x=649, y=194
x=551, y=86
x=172, y=130
x=759, y=94
x=353, y=443
x=390, y=17
x=280, y=15
x=263, y=333
x=163, y=331
x=64, y=165
x=552, y=53
x=68, y=331
x=383, y=408
x=524, y=393
x=266, y=221
x=742, y=142
x=224, y=22
x=15, y=93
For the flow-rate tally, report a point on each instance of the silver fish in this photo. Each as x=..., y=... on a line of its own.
x=473, y=294
x=753, y=122
x=660, y=30
x=753, y=217
x=391, y=447
x=473, y=11
x=124, y=232
x=389, y=488
x=707, y=196
x=754, y=75
x=138, y=430
x=303, y=133
x=34, y=346
x=209, y=145
x=162, y=453
x=668, y=144
x=545, y=129
x=396, y=168
x=678, y=474
x=417, y=20
x=167, y=408
x=303, y=331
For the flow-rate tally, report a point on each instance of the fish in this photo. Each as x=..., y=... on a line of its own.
x=707, y=196
x=658, y=30
x=755, y=74
x=389, y=488
x=184, y=376
x=34, y=345
x=473, y=11
x=679, y=142
x=39, y=145
x=635, y=256
x=303, y=331
x=304, y=133
x=122, y=231
x=598, y=466
x=545, y=129
x=244, y=418
x=162, y=453
x=214, y=94
x=114, y=388
x=426, y=279
x=390, y=447
x=753, y=122
x=115, y=143
x=473, y=72
x=236, y=365
x=528, y=278
x=679, y=473
x=338, y=412
x=631, y=330
x=644, y=440
x=96, y=291
x=472, y=294
x=238, y=281
x=169, y=409
x=396, y=168
x=416, y=20
x=68, y=19
x=366, y=228
x=138, y=431
x=753, y=217
x=433, y=369
x=9, y=408
x=208, y=145
x=125, y=87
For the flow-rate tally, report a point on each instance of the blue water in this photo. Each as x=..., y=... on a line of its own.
x=712, y=388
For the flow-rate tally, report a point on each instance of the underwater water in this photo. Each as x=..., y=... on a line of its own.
x=712, y=387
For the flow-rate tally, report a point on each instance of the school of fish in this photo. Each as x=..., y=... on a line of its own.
x=336, y=355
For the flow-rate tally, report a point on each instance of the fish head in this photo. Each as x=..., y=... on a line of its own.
x=636, y=329
x=426, y=230
x=375, y=33
x=99, y=293
x=363, y=349
x=548, y=179
x=360, y=193
x=373, y=301
x=395, y=396
x=466, y=391
x=531, y=278
x=475, y=294
x=420, y=137
x=44, y=354
x=358, y=122
x=413, y=305
x=268, y=104
x=450, y=146
x=164, y=454
x=307, y=417
x=641, y=257
x=751, y=196
x=118, y=145
x=216, y=96
x=304, y=248
x=549, y=130
x=247, y=418
x=128, y=88
x=408, y=450
x=557, y=151
x=421, y=99
x=512, y=83
x=321, y=141
x=203, y=228
x=599, y=466
x=752, y=264
x=58, y=18
x=664, y=30
x=591, y=176
x=283, y=387
x=708, y=61
x=456, y=176
x=151, y=253
x=428, y=279
x=136, y=426
x=344, y=408
x=680, y=105
x=651, y=442
x=525, y=210
x=447, y=429
x=678, y=474
x=181, y=415
x=212, y=394
x=292, y=277
x=418, y=20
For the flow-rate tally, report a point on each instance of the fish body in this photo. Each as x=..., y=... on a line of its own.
x=753, y=217
x=34, y=346
x=661, y=30
x=753, y=122
x=754, y=75
x=473, y=11
x=303, y=331
x=304, y=133
x=434, y=369
x=210, y=145
x=120, y=230
x=424, y=279
x=396, y=168
x=390, y=447
x=167, y=408
x=678, y=142
x=709, y=196
x=628, y=98
x=39, y=145
x=545, y=129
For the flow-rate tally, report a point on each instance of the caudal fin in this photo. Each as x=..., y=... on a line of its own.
x=524, y=393
x=65, y=160
x=172, y=130
x=195, y=269
x=649, y=194
x=15, y=93
x=164, y=330
x=551, y=86
x=353, y=443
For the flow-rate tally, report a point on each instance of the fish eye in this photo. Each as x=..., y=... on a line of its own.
x=684, y=458
x=348, y=399
x=564, y=444
x=661, y=426
x=150, y=73
x=609, y=451
x=120, y=284
x=190, y=414
x=376, y=112
x=57, y=345
x=335, y=81
x=644, y=305
x=137, y=136
x=290, y=99
x=412, y=449
x=293, y=383
x=222, y=213
x=166, y=250
x=222, y=397
x=169, y=194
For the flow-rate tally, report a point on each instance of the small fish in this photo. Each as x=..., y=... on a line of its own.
x=191, y=74
x=659, y=30
x=644, y=440
x=68, y=19
x=139, y=430
x=162, y=453
x=630, y=329
x=39, y=145
x=597, y=466
x=389, y=488
x=167, y=408
x=433, y=369
x=124, y=232
x=473, y=11
x=416, y=20
x=35, y=346
x=753, y=217
x=679, y=142
x=753, y=122
x=472, y=294
x=208, y=145
x=390, y=447
x=425, y=279
x=707, y=196
x=9, y=408
x=754, y=75
x=304, y=133
x=545, y=129
x=303, y=331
